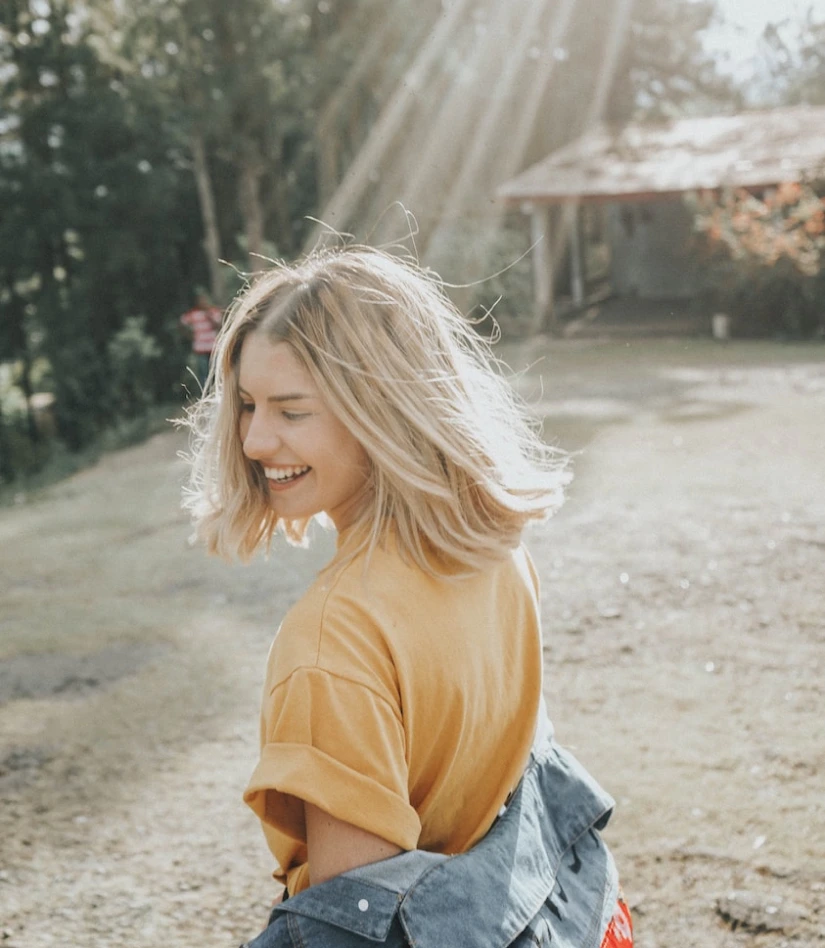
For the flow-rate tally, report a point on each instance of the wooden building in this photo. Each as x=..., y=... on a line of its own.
x=639, y=174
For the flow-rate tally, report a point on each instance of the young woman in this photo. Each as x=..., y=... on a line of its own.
x=408, y=784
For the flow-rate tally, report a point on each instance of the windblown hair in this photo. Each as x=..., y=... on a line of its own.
x=457, y=466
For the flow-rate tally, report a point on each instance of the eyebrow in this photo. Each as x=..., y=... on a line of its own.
x=288, y=397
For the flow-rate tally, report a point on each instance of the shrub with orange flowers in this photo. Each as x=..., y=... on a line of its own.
x=765, y=255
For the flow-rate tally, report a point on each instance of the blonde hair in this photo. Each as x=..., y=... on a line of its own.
x=457, y=466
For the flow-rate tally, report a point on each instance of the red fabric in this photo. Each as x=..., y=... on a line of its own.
x=619, y=932
x=204, y=324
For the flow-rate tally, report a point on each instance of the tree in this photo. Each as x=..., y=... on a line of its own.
x=245, y=82
x=501, y=85
x=665, y=70
x=793, y=62
x=95, y=228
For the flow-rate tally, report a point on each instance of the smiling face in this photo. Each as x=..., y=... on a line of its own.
x=311, y=461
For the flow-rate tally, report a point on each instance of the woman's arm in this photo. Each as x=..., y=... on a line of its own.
x=334, y=846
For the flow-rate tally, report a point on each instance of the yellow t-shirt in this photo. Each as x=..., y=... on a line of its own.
x=400, y=703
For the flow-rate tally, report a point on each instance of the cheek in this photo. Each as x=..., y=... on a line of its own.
x=357, y=464
x=351, y=456
x=243, y=427
x=362, y=461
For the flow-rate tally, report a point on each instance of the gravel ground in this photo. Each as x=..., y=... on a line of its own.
x=684, y=612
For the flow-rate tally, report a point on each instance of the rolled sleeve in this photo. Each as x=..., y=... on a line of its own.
x=340, y=745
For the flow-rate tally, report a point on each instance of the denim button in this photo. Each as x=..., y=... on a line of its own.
x=363, y=905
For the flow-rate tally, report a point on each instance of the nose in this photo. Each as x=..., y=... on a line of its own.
x=260, y=440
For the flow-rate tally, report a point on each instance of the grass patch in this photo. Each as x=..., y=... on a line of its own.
x=62, y=463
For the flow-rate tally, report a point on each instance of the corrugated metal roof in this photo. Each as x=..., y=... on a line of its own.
x=638, y=160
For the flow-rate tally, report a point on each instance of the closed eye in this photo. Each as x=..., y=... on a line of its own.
x=295, y=415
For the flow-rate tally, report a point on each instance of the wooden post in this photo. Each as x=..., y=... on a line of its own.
x=576, y=258
x=544, y=313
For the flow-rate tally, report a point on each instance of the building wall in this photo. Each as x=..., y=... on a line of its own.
x=650, y=250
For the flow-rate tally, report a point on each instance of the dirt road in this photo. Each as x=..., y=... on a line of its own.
x=684, y=611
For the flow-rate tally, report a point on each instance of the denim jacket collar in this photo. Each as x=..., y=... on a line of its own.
x=365, y=900
x=487, y=895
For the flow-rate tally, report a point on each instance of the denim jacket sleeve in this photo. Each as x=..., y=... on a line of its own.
x=541, y=876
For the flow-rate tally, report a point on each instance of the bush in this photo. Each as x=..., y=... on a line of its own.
x=765, y=259
x=133, y=354
x=51, y=460
x=19, y=454
x=496, y=262
x=773, y=301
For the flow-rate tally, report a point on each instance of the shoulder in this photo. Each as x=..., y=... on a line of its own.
x=527, y=568
x=336, y=627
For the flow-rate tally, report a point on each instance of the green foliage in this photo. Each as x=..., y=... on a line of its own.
x=248, y=78
x=775, y=301
x=793, y=61
x=507, y=290
x=133, y=356
x=665, y=69
x=97, y=218
x=119, y=123
x=765, y=259
x=102, y=220
x=37, y=466
x=19, y=453
x=499, y=269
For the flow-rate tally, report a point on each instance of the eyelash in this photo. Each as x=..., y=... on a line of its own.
x=248, y=408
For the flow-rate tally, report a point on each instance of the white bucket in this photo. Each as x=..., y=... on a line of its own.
x=721, y=326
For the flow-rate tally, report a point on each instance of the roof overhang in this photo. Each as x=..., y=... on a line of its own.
x=651, y=162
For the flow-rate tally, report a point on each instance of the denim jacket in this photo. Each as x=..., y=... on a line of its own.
x=541, y=876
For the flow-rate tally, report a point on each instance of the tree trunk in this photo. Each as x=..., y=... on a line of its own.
x=544, y=312
x=7, y=472
x=275, y=207
x=211, y=235
x=249, y=195
x=327, y=165
x=28, y=390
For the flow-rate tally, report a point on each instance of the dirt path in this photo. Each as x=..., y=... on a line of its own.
x=684, y=609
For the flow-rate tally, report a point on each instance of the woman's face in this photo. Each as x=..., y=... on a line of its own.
x=311, y=461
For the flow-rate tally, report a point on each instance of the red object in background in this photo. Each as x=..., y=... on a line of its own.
x=204, y=323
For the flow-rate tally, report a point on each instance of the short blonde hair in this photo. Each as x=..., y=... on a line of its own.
x=457, y=465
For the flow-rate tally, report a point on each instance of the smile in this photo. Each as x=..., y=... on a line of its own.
x=281, y=476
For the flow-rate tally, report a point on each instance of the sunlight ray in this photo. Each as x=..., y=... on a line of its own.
x=513, y=156
x=446, y=137
x=341, y=101
x=490, y=126
x=617, y=33
x=338, y=212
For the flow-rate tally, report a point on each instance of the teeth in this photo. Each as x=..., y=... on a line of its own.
x=284, y=473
